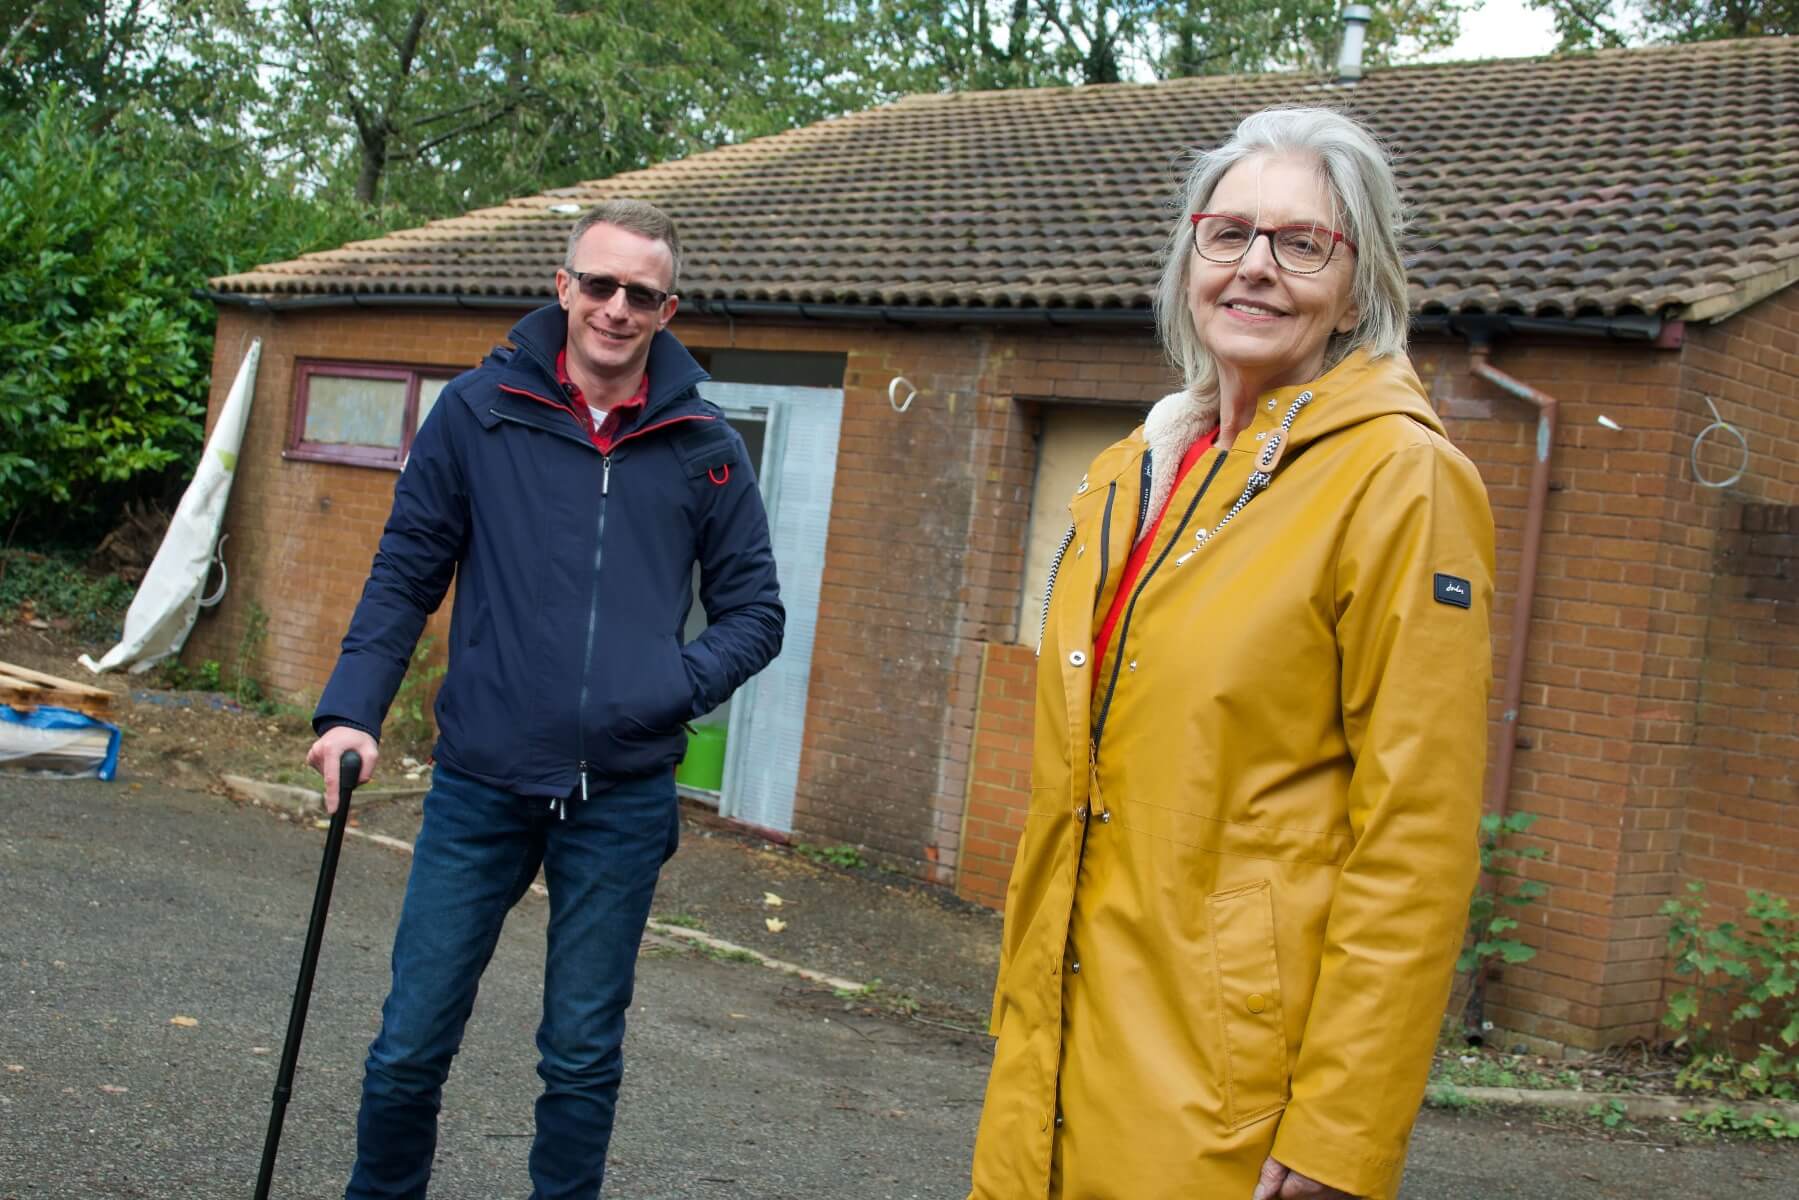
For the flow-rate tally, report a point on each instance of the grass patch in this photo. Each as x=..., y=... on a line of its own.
x=1471, y=1070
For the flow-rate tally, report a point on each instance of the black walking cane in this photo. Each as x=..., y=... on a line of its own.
x=348, y=770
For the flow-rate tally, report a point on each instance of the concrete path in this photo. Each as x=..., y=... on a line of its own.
x=123, y=908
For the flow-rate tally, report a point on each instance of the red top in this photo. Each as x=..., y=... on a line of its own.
x=1133, y=566
x=603, y=434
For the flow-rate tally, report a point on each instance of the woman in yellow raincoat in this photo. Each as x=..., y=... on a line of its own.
x=1260, y=726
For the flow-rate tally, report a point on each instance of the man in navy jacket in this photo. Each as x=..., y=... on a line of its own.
x=569, y=485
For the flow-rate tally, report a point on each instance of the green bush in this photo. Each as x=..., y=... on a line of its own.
x=106, y=232
x=1745, y=979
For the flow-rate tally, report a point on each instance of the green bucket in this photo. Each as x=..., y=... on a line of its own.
x=704, y=766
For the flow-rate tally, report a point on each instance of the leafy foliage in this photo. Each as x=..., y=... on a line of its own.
x=1727, y=1120
x=1601, y=24
x=51, y=585
x=409, y=724
x=1489, y=928
x=104, y=238
x=845, y=856
x=1745, y=978
x=932, y=45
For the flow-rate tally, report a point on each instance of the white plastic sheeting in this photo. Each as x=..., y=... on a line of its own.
x=163, y=611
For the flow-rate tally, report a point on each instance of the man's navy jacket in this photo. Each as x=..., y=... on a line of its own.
x=573, y=574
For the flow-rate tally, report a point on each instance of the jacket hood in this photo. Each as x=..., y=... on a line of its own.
x=1360, y=388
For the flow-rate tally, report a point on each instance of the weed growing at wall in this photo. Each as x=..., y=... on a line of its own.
x=1490, y=929
x=409, y=724
x=1745, y=983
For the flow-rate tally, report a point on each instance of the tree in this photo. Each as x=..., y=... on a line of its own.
x=115, y=58
x=107, y=350
x=1600, y=24
x=434, y=106
x=933, y=45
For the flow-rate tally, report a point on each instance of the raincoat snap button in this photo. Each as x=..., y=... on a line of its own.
x=1255, y=1002
x=1078, y=658
x=1075, y=966
x=1105, y=818
x=1080, y=814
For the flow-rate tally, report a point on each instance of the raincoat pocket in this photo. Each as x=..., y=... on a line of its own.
x=1254, y=1039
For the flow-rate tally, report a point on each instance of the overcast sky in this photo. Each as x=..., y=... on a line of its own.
x=1501, y=29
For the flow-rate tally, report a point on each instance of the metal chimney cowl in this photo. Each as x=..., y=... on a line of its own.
x=1355, y=36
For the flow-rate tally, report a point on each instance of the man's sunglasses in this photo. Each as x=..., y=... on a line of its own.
x=601, y=288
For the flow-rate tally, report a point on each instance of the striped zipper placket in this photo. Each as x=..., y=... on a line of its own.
x=1257, y=483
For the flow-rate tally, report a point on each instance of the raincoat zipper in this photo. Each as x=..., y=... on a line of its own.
x=1124, y=628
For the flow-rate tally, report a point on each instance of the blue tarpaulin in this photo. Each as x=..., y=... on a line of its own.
x=57, y=741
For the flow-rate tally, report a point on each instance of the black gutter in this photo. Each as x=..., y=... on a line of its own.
x=877, y=313
x=1626, y=327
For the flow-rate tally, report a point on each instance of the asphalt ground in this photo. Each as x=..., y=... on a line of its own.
x=126, y=906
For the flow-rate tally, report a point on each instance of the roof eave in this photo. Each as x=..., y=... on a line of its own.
x=1714, y=309
x=1629, y=327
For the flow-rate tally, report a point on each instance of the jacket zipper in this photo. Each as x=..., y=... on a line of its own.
x=593, y=599
x=1049, y=587
x=593, y=624
x=1124, y=628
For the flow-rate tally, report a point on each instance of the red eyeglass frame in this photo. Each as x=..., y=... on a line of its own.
x=1256, y=231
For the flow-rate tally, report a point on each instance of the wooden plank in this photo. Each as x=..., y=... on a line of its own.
x=29, y=676
x=29, y=695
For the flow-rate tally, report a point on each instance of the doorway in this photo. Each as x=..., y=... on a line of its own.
x=791, y=433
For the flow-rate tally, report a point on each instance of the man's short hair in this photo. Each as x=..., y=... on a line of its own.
x=640, y=217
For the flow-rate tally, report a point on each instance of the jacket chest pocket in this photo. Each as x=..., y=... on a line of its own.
x=1254, y=1039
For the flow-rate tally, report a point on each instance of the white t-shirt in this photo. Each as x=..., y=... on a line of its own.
x=599, y=415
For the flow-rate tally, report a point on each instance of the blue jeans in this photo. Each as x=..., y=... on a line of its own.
x=477, y=853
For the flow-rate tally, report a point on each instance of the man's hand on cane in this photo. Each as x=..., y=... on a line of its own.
x=329, y=750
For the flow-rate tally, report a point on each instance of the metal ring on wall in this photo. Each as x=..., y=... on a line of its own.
x=1718, y=422
x=893, y=393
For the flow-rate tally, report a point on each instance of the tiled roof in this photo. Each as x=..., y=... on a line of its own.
x=1661, y=181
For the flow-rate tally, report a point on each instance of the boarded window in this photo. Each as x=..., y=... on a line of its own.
x=360, y=413
x=1072, y=438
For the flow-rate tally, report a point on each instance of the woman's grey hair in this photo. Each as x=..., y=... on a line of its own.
x=1367, y=210
x=640, y=217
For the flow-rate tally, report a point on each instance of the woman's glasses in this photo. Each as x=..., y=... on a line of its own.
x=1300, y=249
x=601, y=288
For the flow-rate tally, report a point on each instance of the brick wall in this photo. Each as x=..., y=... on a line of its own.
x=1741, y=828
x=1000, y=785
x=1647, y=669
x=924, y=564
x=303, y=534
x=1742, y=823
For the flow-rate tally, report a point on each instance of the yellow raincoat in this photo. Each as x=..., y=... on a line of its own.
x=1252, y=834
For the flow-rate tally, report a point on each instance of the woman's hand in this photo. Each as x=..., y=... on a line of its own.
x=1279, y=1183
